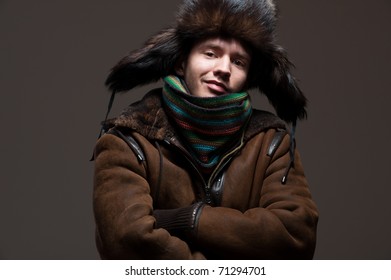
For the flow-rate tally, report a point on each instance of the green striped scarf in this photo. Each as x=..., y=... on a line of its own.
x=209, y=126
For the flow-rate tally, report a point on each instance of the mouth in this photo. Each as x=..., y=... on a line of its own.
x=217, y=87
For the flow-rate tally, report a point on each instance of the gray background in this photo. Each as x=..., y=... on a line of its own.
x=55, y=55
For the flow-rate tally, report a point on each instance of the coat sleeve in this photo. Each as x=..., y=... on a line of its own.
x=283, y=226
x=125, y=226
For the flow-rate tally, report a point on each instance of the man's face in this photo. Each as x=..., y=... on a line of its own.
x=215, y=67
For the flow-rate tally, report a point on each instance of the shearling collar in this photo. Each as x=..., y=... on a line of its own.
x=148, y=118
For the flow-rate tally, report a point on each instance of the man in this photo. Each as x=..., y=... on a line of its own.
x=192, y=171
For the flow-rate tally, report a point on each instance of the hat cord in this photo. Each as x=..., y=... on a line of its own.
x=110, y=105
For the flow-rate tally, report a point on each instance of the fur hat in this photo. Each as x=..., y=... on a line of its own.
x=249, y=21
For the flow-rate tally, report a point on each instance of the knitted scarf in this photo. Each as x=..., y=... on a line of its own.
x=209, y=126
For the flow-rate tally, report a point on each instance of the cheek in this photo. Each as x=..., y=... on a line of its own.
x=200, y=66
x=195, y=72
x=240, y=80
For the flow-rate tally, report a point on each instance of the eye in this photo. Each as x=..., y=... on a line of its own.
x=239, y=62
x=209, y=53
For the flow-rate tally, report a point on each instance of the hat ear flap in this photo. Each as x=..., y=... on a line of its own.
x=281, y=87
x=154, y=60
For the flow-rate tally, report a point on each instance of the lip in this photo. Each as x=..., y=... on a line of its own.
x=217, y=86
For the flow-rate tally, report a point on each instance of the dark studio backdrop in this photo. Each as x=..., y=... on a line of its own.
x=55, y=56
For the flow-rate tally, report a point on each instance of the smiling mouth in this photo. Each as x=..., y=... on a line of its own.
x=217, y=87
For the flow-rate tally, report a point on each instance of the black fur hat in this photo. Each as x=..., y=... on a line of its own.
x=250, y=21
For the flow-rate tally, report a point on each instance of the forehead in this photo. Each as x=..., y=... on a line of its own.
x=229, y=45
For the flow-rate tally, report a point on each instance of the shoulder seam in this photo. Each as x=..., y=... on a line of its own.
x=132, y=143
x=276, y=141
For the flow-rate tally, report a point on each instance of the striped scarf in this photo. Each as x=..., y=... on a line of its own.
x=209, y=126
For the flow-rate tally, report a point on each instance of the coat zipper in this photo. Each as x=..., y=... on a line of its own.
x=222, y=163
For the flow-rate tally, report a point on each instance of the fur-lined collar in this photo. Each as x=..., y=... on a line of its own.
x=148, y=118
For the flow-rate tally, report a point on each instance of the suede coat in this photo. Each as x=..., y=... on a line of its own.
x=243, y=211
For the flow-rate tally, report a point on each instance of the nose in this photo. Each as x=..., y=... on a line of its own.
x=223, y=68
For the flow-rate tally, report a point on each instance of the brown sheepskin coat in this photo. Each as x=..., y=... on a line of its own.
x=247, y=212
